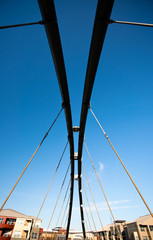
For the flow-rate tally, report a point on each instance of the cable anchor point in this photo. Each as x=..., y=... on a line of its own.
x=41, y=22
x=105, y=134
x=110, y=21
x=64, y=104
x=88, y=105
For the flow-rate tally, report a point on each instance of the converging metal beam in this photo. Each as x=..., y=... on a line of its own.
x=103, y=12
x=51, y=26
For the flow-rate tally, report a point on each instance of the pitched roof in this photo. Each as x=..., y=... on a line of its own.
x=147, y=219
x=14, y=214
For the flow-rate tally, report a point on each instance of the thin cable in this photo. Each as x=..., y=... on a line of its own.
x=89, y=207
x=52, y=180
x=122, y=163
x=31, y=159
x=132, y=23
x=92, y=196
x=63, y=203
x=22, y=25
x=62, y=208
x=87, y=227
x=66, y=220
x=102, y=189
x=65, y=211
x=58, y=198
x=88, y=218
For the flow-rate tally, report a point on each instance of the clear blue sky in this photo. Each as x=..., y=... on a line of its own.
x=122, y=100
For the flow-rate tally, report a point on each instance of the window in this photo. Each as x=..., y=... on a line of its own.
x=144, y=238
x=151, y=227
x=24, y=234
x=27, y=223
x=135, y=235
x=7, y=235
x=11, y=221
x=17, y=234
x=20, y=222
x=36, y=224
x=34, y=235
x=1, y=220
x=142, y=228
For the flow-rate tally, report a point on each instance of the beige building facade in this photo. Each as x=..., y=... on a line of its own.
x=22, y=228
x=140, y=229
x=18, y=226
x=27, y=228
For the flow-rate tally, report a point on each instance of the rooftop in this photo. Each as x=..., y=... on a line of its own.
x=14, y=214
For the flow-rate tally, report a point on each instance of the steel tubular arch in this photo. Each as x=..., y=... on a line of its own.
x=103, y=12
x=51, y=26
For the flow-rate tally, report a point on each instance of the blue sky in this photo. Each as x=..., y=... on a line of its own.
x=122, y=101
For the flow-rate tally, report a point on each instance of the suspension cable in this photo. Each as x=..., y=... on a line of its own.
x=65, y=211
x=63, y=203
x=131, y=23
x=31, y=159
x=122, y=163
x=66, y=220
x=54, y=237
x=103, y=190
x=86, y=224
x=52, y=180
x=89, y=206
x=58, y=198
x=22, y=25
x=88, y=218
x=93, y=197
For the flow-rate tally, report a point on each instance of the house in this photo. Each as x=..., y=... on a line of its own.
x=15, y=225
x=7, y=221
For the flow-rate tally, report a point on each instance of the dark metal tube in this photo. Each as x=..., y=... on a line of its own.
x=103, y=13
x=50, y=21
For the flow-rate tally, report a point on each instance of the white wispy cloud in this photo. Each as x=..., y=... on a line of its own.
x=101, y=167
x=102, y=206
x=119, y=207
x=119, y=201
